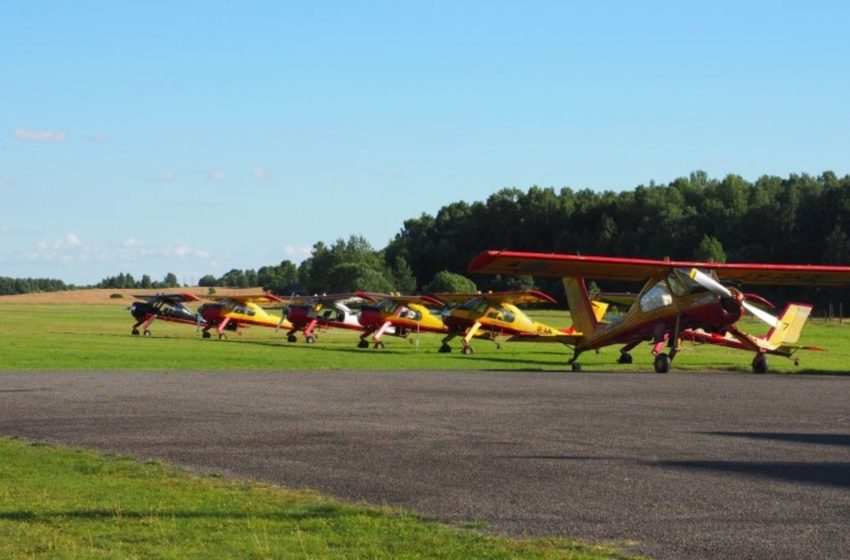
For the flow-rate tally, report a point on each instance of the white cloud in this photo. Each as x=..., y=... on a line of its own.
x=44, y=136
x=260, y=173
x=99, y=137
x=182, y=251
x=292, y=250
x=167, y=177
x=68, y=240
x=217, y=175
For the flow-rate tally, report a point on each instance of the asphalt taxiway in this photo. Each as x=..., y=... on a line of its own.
x=684, y=465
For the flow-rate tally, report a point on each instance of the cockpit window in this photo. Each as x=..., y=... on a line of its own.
x=477, y=305
x=656, y=297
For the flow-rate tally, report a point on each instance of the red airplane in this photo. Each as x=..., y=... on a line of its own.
x=680, y=300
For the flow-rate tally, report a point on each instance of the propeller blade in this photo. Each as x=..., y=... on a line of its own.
x=710, y=283
x=716, y=287
x=762, y=314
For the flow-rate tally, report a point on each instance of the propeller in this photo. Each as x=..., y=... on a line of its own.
x=716, y=287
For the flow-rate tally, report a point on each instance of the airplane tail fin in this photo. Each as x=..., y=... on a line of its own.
x=584, y=313
x=790, y=324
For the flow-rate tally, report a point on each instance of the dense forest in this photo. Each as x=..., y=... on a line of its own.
x=798, y=219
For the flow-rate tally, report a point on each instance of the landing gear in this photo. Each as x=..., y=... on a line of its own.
x=291, y=338
x=135, y=332
x=575, y=366
x=760, y=363
x=625, y=358
x=468, y=350
x=310, y=339
x=222, y=336
x=363, y=343
x=206, y=334
x=662, y=363
x=379, y=345
x=445, y=349
x=146, y=332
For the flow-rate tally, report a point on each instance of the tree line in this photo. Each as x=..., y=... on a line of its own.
x=796, y=219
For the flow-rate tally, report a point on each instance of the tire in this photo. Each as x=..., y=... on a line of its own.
x=468, y=350
x=379, y=345
x=625, y=358
x=445, y=349
x=662, y=363
x=291, y=338
x=760, y=364
x=363, y=343
x=575, y=366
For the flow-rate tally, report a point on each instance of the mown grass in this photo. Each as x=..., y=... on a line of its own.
x=71, y=503
x=79, y=337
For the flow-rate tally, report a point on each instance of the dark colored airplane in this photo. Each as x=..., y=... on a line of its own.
x=165, y=307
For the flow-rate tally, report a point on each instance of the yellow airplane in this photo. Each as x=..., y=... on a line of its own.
x=494, y=313
x=229, y=313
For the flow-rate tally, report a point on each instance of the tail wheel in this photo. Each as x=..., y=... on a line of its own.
x=662, y=363
x=760, y=363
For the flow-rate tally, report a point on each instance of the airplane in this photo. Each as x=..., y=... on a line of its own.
x=165, y=307
x=680, y=300
x=229, y=313
x=492, y=314
x=405, y=314
x=309, y=313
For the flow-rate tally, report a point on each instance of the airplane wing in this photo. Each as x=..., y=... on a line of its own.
x=426, y=300
x=514, y=297
x=615, y=268
x=243, y=299
x=182, y=298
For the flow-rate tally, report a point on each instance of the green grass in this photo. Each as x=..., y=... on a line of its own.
x=72, y=503
x=78, y=337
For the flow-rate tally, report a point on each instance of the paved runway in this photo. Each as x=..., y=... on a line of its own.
x=674, y=466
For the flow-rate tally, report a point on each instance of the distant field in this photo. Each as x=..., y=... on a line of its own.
x=82, y=336
x=103, y=296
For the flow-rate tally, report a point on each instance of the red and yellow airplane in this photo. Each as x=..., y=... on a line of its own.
x=403, y=314
x=229, y=313
x=492, y=314
x=680, y=300
x=309, y=313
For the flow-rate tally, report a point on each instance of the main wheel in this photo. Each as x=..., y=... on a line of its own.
x=206, y=334
x=310, y=339
x=467, y=350
x=760, y=363
x=379, y=345
x=662, y=363
x=575, y=366
x=291, y=338
x=363, y=343
x=625, y=358
x=445, y=349
x=222, y=336
x=147, y=332
x=135, y=332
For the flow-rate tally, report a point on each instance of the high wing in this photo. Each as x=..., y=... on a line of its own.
x=512, y=297
x=182, y=298
x=344, y=298
x=615, y=268
x=426, y=300
x=243, y=299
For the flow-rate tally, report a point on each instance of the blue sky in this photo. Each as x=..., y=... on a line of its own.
x=195, y=137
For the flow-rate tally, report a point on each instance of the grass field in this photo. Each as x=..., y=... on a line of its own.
x=76, y=336
x=65, y=503
x=72, y=503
